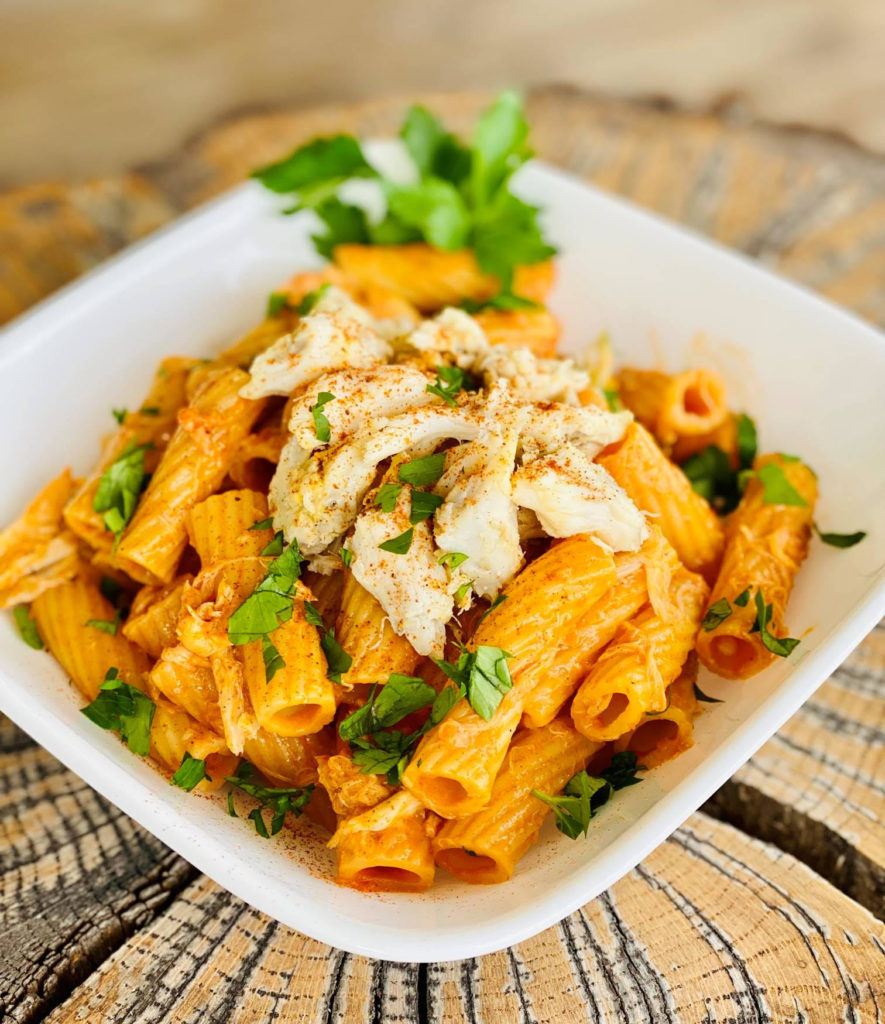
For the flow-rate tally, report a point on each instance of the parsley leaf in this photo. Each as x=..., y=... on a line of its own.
x=508, y=235
x=622, y=770
x=274, y=546
x=276, y=303
x=119, y=414
x=106, y=625
x=746, y=440
x=278, y=800
x=452, y=559
x=320, y=423
x=387, y=495
x=124, y=709
x=309, y=302
x=344, y=223
x=449, y=381
x=713, y=477
x=399, y=545
x=346, y=557
x=338, y=661
x=717, y=613
x=462, y=592
x=499, y=600
x=270, y=604
x=505, y=301
x=263, y=524
x=743, y=598
x=612, y=399
x=120, y=487
x=190, y=773
x=783, y=647
x=322, y=160
x=150, y=410
x=776, y=488
x=435, y=208
x=388, y=756
x=110, y=588
x=27, y=628
x=483, y=677
x=582, y=797
x=424, y=504
x=499, y=147
x=435, y=151
x=840, y=540
x=273, y=660
x=387, y=705
x=423, y=472
x=701, y=696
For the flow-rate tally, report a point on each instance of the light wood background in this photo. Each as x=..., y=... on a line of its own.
x=765, y=907
x=91, y=86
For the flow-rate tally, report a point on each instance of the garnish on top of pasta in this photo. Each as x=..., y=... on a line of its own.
x=391, y=562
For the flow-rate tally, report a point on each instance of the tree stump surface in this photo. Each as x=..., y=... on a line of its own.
x=765, y=906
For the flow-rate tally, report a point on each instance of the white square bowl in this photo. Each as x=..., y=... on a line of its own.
x=811, y=375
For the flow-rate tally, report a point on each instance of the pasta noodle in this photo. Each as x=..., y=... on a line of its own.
x=485, y=846
x=535, y=329
x=662, y=490
x=174, y=733
x=766, y=542
x=674, y=406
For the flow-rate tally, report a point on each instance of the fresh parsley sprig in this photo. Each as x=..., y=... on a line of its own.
x=120, y=487
x=721, y=610
x=123, y=709
x=585, y=794
x=840, y=540
x=712, y=474
x=482, y=676
x=27, y=628
x=109, y=626
x=450, y=380
x=190, y=773
x=270, y=604
x=338, y=661
x=461, y=199
x=278, y=800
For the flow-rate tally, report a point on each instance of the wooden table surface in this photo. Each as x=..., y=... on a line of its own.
x=762, y=907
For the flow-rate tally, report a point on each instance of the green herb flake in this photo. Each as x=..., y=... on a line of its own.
x=27, y=628
x=423, y=472
x=613, y=399
x=110, y=588
x=309, y=303
x=424, y=504
x=499, y=600
x=270, y=604
x=621, y=772
x=701, y=696
x=450, y=380
x=453, y=559
x=320, y=161
x=387, y=705
x=483, y=677
x=120, y=487
x=124, y=709
x=783, y=647
x=717, y=613
x=190, y=773
x=387, y=495
x=150, y=410
x=109, y=626
x=840, y=540
x=746, y=440
x=263, y=524
x=273, y=660
x=274, y=546
x=347, y=557
x=320, y=423
x=400, y=544
x=776, y=488
x=743, y=598
x=580, y=800
x=278, y=800
x=119, y=415
x=276, y=303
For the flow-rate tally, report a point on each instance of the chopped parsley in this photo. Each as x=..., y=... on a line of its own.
x=424, y=504
x=120, y=487
x=840, y=540
x=190, y=773
x=453, y=559
x=274, y=546
x=270, y=604
x=423, y=472
x=276, y=303
x=701, y=696
x=747, y=441
x=400, y=544
x=450, y=380
x=783, y=647
x=338, y=661
x=273, y=660
x=387, y=705
x=110, y=588
x=461, y=197
x=310, y=300
x=278, y=800
x=346, y=557
x=585, y=794
x=462, y=592
x=504, y=301
x=119, y=414
x=150, y=410
x=482, y=676
x=711, y=471
x=27, y=628
x=109, y=626
x=387, y=495
x=743, y=598
x=499, y=600
x=776, y=488
x=263, y=524
x=613, y=399
x=123, y=709
x=717, y=613
x=320, y=423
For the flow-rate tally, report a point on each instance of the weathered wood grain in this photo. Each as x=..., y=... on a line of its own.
x=714, y=926
x=707, y=928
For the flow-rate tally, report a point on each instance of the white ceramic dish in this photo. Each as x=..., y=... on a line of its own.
x=811, y=375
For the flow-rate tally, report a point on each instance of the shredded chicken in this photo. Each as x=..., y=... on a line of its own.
x=532, y=378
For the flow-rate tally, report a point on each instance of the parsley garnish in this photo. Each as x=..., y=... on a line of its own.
x=717, y=613
x=270, y=604
x=276, y=303
x=612, y=399
x=505, y=301
x=310, y=300
x=482, y=676
x=840, y=540
x=190, y=773
x=119, y=414
x=499, y=600
x=124, y=709
x=424, y=504
x=461, y=197
x=110, y=588
x=346, y=557
x=278, y=800
x=387, y=495
x=119, y=489
x=274, y=546
x=449, y=381
x=27, y=628
x=263, y=524
x=712, y=474
x=399, y=545
x=743, y=598
x=338, y=661
x=700, y=695
x=150, y=410
x=400, y=696
x=584, y=794
x=746, y=440
x=776, y=488
x=462, y=592
x=423, y=472
x=320, y=423
x=783, y=647
x=453, y=559
x=273, y=660
x=106, y=625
